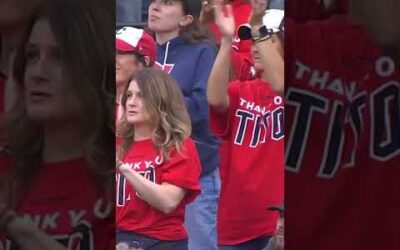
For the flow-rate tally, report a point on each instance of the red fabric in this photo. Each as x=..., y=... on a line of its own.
x=136, y=40
x=241, y=11
x=252, y=162
x=56, y=204
x=306, y=10
x=352, y=206
x=243, y=66
x=241, y=57
x=134, y=214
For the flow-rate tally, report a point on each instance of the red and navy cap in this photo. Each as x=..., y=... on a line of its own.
x=129, y=39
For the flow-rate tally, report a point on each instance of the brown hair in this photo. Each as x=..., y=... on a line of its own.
x=195, y=32
x=163, y=101
x=84, y=30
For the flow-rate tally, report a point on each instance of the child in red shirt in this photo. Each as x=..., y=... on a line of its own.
x=159, y=169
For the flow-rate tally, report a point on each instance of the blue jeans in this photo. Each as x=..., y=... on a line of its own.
x=254, y=244
x=201, y=214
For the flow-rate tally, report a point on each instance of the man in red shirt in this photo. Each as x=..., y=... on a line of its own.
x=342, y=116
x=248, y=116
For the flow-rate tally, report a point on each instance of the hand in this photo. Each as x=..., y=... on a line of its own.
x=258, y=9
x=207, y=12
x=7, y=216
x=122, y=167
x=224, y=19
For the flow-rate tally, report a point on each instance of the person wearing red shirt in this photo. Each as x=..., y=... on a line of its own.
x=342, y=116
x=58, y=142
x=158, y=168
x=248, y=116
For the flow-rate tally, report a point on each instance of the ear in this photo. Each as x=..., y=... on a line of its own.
x=187, y=20
x=147, y=61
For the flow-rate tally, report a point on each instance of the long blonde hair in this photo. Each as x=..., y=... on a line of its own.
x=164, y=103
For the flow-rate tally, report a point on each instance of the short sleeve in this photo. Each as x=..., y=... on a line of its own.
x=183, y=170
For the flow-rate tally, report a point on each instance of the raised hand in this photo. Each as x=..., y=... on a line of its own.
x=224, y=18
x=207, y=12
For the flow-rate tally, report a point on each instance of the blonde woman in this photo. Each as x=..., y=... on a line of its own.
x=159, y=169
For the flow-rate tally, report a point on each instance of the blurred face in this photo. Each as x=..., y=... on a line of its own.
x=46, y=92
x=126, y=65
x=166, y=16
x=380, y=18
x=135, y=111
x=256, y=58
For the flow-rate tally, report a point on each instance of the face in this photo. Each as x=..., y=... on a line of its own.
x=47, y=95
x=380, y=18
x=135, y=111
x=126, y=65
x=256, y=58
x=166, y=16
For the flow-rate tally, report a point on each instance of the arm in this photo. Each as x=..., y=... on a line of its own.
x=163, y=197
x=24, y=233
x=196, y=100
x=217, y=90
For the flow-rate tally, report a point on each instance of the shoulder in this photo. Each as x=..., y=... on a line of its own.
x=250, y=84
x=251, y=87
x=204, y=48
x=189, y=146
x=187, y=151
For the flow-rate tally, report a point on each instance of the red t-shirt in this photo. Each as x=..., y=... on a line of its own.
x=56, y=204
x=306, y=10
x=343, y=150
x=251, y=161
x=134, y=214
x=243, y=67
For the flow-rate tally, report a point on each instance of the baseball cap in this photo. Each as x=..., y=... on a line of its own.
x=272, y=20
x=130, y=39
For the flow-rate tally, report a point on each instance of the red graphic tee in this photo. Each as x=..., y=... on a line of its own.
x=343, y=146
x=66, y=202
x=182, y=169
x=251, y=161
